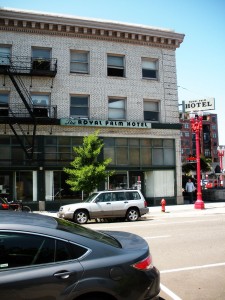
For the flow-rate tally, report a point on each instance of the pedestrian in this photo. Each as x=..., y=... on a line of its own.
x=190, y=188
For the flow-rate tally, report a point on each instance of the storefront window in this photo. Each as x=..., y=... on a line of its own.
x=110, y=153
x=157, y=142
x=121, y=156
x=17, y=155
x=146, y=159
x=169, y=157
x=157, y=157
x=134, y=156
x=139, y=152
x=146, y=142
x=24, y=185
x=121, y=142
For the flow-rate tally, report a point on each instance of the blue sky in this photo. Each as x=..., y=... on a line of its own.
x=200, y=58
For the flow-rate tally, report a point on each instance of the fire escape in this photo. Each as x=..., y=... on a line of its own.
x=15, y=114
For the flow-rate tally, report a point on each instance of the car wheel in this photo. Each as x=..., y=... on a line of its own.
x=81, y=217
x=26, y=209
x=132, y=214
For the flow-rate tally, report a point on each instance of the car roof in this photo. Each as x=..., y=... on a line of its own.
x=25, y=218
x=118, y=190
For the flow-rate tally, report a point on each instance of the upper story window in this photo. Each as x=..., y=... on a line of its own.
x=4, y=104
x=151, y=110
x=41, y=103
x=41, y=58
x=5, y=54
x=116, y=108
x=40, y=99
x=115, y=66
x=79, y=62
x=42, y=53
x=149, y=68
x=79, y=106
x=4, y=98
x=186, y=125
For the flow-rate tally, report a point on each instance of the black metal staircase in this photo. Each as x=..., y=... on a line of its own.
x=15, y=115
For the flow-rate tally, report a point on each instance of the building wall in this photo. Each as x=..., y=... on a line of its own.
x=209, y=140
x=99, y=86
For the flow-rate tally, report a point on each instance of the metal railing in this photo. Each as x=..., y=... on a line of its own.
x=27, y=65
x=20, y=111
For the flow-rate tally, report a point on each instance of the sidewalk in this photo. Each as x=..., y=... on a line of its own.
x=187, y=210
x=183, y=210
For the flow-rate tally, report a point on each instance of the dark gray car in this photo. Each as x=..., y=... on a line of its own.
x=45, y=258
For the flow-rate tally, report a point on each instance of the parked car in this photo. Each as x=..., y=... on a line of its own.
x=3, y=204
x=42, y=257
x=126, y=204
x=213, y=183
x=14, y=205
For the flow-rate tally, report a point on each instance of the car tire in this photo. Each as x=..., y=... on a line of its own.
x=132, y=214
x=26, y=209
x=81, y=217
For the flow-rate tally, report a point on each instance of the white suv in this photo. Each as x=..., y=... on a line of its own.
x=126, y=204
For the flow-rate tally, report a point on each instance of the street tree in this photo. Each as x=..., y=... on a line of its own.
x=87, y=169
x=205, y=165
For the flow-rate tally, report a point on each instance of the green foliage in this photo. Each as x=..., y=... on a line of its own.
x=87, y=171
x=205, y=165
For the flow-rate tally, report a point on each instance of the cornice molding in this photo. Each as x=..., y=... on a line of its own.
x=39, y=23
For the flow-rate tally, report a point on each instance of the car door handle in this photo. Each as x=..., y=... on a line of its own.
x=125, y=202
x=62, y=274
x=108, y=203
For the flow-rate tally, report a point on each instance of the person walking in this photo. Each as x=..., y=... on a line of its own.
x=190, y=188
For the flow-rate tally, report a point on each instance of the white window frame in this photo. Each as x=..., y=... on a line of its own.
x=114, y=68
x=80, y=64
x=41, y=106
x=80, y=106
x=116, y=108
x=40, y=100
x=45, y=53
x=151, y=107
x=150, y=68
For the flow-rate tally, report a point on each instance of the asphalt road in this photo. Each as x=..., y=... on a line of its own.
x=188, y=247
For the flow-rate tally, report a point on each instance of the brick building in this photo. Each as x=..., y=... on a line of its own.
x=209, y=139
x=62, y=78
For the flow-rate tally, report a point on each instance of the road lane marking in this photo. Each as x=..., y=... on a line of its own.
x=193, y=268
x=169, y=292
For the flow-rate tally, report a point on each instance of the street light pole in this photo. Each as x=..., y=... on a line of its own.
x=220, y=151
x=196, y=126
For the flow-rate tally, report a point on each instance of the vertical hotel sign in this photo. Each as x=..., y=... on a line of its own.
x=201, y=104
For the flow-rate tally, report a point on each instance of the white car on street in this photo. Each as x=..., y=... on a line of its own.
x=111, y=204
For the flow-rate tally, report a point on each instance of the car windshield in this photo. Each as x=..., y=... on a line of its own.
x=91, y=197
x=86, y=232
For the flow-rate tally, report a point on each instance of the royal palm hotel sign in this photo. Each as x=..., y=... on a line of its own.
x=103, y=123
